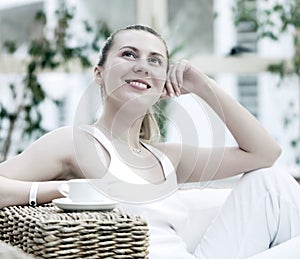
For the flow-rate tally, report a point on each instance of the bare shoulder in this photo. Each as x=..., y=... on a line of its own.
x=60, y=154
x=43, y=159
x=79, y=153
x=57, y=143
x=189, y=161
x=90, y=158
x=171, y=150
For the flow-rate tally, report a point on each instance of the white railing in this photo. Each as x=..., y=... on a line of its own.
x=244, y=64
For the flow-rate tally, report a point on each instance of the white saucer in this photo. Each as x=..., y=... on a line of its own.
x=67, y=204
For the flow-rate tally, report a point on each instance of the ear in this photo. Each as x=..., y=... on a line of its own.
x=98, y=74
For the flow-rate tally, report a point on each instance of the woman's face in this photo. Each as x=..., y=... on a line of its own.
x=135, y=69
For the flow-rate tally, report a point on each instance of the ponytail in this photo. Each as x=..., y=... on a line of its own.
x=150, y=132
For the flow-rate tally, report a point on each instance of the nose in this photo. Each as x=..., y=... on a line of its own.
x=141, y=67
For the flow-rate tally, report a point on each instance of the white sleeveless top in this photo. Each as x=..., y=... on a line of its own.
x=160, y=207
x=122, y=184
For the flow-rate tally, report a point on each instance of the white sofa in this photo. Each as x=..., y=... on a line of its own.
x=204, y=206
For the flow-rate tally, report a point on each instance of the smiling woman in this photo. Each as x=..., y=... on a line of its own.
x=141, y=66
x=139, y=56
x=121, y=150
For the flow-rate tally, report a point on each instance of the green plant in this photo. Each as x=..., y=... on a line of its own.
x=23, y=117
x=162, y=105
x=278, y=18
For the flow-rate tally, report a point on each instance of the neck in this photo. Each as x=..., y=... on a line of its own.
x=122, y=128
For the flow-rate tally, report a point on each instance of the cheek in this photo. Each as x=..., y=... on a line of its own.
x=111, y=77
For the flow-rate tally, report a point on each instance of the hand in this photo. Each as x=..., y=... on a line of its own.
x=184, y=78
x=175, y=81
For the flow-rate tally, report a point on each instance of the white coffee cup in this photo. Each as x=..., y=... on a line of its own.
x=82, y=191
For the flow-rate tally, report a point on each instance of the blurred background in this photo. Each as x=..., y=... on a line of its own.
x=251, y=48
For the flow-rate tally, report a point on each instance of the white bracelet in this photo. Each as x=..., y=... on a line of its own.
x=33, y=192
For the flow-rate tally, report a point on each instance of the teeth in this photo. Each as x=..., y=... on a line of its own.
x=138, y=84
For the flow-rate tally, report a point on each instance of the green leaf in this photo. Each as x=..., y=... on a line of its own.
x=31, y=67
x=297, y=160
x=85, y=62
x=279, y=68
x=40, y=16
x=10, y=46
x=13, y=91
x=294, y=143
x=50, y=53
x=268, y=34
x=277, y=7
x=87, y=26
x=286, y=122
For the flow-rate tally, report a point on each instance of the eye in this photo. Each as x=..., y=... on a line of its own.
x=129, y=54
x=155, y=60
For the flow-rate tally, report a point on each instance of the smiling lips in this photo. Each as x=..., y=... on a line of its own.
x=138, y=84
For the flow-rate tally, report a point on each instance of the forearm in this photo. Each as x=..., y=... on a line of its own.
x=247, y=131
x=15, y=192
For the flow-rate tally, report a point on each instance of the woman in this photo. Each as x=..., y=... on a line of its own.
x=134, y=73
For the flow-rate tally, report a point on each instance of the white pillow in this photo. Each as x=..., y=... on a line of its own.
x=202, y=206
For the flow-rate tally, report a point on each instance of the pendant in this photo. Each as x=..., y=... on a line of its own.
x=136, y=150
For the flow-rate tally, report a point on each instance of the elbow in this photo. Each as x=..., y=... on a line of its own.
x=277, y=153
x=273, y=155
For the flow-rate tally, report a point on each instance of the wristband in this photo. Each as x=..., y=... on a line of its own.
x=32, y=194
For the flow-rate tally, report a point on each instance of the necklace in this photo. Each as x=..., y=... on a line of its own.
x=136, y=150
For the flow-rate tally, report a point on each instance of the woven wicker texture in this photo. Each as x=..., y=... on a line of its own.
x=48, y=232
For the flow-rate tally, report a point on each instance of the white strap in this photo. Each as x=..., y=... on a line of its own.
x=165, y=162
x=33, y=192
x=98, y=135
x=168, y=168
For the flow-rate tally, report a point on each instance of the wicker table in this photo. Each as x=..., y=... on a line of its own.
x=48, y=232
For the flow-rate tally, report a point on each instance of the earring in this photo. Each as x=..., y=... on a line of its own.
x=98, y=80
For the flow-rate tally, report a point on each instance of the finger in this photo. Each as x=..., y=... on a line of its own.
x=183, y=67
x=164, y=94
x=169, y=89
x=169, y=84
x=173, y=80
x=179, y=73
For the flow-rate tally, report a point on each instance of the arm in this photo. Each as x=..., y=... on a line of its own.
x=45, y=160
x=15, y=192
x=61, y=154
x=256, y=148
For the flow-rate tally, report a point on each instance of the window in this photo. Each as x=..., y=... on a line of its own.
x=116, y=13
x=247, y=93
x=247, y=85
x=191, y=24
x=17, y=24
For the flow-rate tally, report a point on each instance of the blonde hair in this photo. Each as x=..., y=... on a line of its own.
x=150, y=131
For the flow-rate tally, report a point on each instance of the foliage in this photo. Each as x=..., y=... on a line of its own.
x=22, y=118
x=161, y=107
x=44, y=54
x=273, y=21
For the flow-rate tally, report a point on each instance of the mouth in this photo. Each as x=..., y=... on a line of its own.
x=138, y=84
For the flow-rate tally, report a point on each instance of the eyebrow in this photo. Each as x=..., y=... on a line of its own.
x=135, y=49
